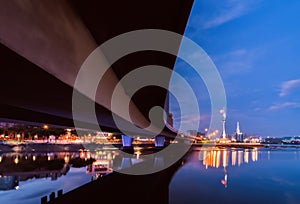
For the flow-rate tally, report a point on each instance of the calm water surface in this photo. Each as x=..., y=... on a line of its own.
x=231, y=176
x=207, y=175
x=26, y=178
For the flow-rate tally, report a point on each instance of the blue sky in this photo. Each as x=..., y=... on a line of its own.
x=255, y=46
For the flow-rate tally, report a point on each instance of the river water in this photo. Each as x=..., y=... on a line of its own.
x=233, y=176
x=208, y=175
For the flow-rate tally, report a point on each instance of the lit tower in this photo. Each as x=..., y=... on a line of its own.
x=238, y=133
x=222, y=111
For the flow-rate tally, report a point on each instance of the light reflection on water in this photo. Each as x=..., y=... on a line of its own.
x=238, y=176
x=26, y=177
x=212, y=175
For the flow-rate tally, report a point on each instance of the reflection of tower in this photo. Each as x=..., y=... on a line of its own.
x=218, y=157
x=225, y=164
x=238, y=133
x=222, y=111
x=224, y=181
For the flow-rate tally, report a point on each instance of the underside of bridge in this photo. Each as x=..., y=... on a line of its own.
x=44, y=43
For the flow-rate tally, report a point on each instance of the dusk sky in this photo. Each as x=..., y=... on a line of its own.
x=256, y=48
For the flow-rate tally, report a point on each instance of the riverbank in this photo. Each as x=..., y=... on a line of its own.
x=62, y=147
x=74, y=147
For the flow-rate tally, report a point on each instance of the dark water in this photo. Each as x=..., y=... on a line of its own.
x=231, y=176
x=208, y=175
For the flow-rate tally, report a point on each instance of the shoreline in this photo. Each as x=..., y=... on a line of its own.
x=74, y=147
x=238, y=145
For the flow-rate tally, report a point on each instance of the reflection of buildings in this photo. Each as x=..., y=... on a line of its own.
x=223, y=157
x=108, y=160
x=102, y=165
x=9, y=182
x=99, y=167
x=15, y=167
x=53, y=174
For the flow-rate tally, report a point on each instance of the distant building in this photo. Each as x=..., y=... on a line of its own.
x=272, y=140
x=291, y=140
x=239, y=137
x=6, y=125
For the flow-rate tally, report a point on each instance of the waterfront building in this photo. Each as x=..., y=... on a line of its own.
x=291, y=140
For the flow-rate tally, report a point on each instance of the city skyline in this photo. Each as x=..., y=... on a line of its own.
x=255, y=47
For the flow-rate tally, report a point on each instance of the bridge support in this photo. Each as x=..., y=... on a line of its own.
x=159, y=141
x=126, y=141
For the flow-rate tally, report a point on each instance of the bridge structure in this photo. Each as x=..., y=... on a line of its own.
x=44, y=44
